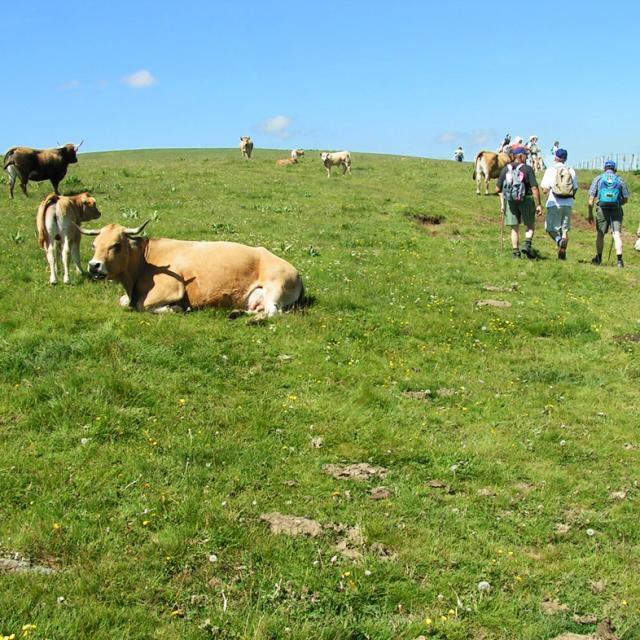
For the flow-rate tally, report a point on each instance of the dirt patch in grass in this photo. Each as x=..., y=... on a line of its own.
x=627, y=337
x=291, y=525
x=553, y=607
x=360, y=472
x=498, y=304
x=15, y=563
x=604, y=631
x=428, y=220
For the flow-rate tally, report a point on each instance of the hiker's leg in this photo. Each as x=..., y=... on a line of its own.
x=553, y=223
x=617, y=240
x=599, y=242
x=515, y=236
x=616, y=229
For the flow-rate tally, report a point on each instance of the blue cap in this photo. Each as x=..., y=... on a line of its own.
x=609, y=164
x=517, y=151
x=561, y=154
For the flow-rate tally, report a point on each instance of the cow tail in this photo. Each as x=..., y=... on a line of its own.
x=40, y=216
x=9, y=162
x=475, y=166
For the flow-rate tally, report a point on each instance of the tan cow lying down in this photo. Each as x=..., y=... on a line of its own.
x=57, y=221
x=286, y=162
x=336, y=159
x=160, y=274
x=488, y=166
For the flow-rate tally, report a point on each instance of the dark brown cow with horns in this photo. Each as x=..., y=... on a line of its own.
x=39, y=164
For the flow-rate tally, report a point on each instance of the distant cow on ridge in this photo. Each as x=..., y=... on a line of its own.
x=336, y=159
x=38, y=165
x=246, y=146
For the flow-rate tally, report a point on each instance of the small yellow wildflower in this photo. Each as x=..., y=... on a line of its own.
x=443, y=618
x=182, y=401
x=451, y=612
x=56, y=525
x=146, y=523
x=428, y=621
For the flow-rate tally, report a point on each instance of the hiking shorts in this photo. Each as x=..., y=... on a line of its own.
x=523, y=212
x=558, y=220
x=609, y=218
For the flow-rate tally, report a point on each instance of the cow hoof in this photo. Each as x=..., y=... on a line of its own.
x=235, y=314
x=53, y=282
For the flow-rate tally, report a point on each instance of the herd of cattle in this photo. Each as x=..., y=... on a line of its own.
x=160, y=274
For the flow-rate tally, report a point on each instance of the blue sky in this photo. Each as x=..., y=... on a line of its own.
x=402, y=77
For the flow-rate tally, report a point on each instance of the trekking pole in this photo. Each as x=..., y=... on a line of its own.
x=501, y=231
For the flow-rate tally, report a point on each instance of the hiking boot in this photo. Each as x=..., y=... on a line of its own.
x=596, y=260
x=562, y=249
x=528, y=251
x=620, y=263
x=516, y=254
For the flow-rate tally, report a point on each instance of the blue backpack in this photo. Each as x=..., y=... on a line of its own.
x=609, y=190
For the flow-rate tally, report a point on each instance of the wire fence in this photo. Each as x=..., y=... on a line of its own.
x=624, y=162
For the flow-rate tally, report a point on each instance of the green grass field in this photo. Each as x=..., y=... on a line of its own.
x=138, y=452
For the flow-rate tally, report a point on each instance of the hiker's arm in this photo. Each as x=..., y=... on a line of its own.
x=590, y=209
x=536, y=199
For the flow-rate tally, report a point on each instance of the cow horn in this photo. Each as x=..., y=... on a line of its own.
x=87, y=232
x=137, y=230
x=79, y=145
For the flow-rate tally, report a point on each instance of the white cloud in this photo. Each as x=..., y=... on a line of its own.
x=447, y=137
x=277, y=126
x=477, y=137
x=72, y=84
x=140, y=79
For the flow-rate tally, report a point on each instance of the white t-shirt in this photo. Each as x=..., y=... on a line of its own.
x=549, y=179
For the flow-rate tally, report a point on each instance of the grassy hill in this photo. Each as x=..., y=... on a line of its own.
x=141, y=454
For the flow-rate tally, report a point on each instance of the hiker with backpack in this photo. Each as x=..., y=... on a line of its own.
x=561, y=183
x=611, y=193
x=519, y=200
x=458, y=154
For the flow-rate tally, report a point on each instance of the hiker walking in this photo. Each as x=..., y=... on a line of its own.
x=561, y=183
x=611, y=193
x=519, y=200
x=458, y=154
x=505, y=144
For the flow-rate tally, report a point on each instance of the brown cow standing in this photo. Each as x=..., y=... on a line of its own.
x=38, y=165
x=488, y=166
x=161, y=274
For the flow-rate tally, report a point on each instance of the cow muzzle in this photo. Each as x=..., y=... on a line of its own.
x=97, y=270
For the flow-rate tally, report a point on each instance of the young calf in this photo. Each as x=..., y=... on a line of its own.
x=58, y=221
x=286, y=162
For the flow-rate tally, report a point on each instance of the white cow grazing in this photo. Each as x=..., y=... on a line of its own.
x=336, y=159
x=297, y=153
x=58, y=221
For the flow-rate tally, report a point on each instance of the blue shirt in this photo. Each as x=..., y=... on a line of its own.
x=595, y=185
